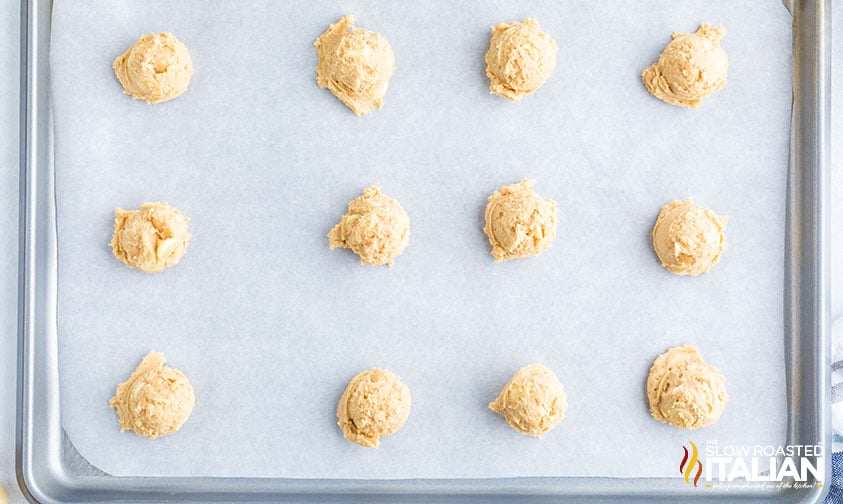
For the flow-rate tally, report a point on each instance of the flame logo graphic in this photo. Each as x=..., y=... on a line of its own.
x=686, y=467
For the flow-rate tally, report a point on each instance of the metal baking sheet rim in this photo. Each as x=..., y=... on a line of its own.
x=49, y=470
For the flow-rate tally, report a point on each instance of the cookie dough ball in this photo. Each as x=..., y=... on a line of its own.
x=155, y=401
x=376, y=228
x=684, y=391
x=4, y=499
x=519, y=222
x=688, y=238
x=375, y=404
x=355, y=65
x=533, y=401
x=691, y=67
x=156, y=68
x=520, y=59
x=150, y=239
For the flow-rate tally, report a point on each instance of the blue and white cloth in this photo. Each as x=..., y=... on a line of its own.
x=835, y=492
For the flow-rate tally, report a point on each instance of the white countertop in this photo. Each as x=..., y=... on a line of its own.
x=9, y=94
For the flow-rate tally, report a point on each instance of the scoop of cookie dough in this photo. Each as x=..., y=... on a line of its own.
x=519, y=222
x=150, y=239
x=376, y=228
x=375, y=404
x=520, y=59
x=155, y=401
x=156, y=68
x=684, y=391
x=355, y=65
x=533, y=401
x=691, y=67
x=688, y=238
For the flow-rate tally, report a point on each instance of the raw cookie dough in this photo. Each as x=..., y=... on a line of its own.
x=688, y=238
x=375, y=404
x=4, y=499
x=691, y=67
x=684, y=391
x=355, y=65
x=154, y=401
x=150, y=239
x=519, y=222
x=533, y=401
x=520, y=59
x=376, y=228
x=156, y=68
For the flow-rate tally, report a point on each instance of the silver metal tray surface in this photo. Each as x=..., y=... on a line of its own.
x=50, y=470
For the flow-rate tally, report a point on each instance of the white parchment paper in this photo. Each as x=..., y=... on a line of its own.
x=269, y=324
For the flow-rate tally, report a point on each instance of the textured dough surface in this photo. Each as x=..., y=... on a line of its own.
x=376, y=228
x=355, y=65
x=155, y=68
x=691, y=67
x=155, y=401
x=520, y=59
x=688, y=238
x=150, y=239
x=519, y=222
x=375, y=404
x=533, y=401
x=684, y=391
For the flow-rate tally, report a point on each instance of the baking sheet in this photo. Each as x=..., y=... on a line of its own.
x=270, y=325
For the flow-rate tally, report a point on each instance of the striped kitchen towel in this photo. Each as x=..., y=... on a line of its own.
x=835, y=492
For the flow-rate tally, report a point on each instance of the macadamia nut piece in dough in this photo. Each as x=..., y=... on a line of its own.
x=684, y=391
x=156, y=68
x=375, y=404
x=376, y=228
x=519, y=222
x=691, y=67
x=520, y=59
x=155, y=401
x=688, y=238
x=355, y=65
x=533, y=401
x=150, y=239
